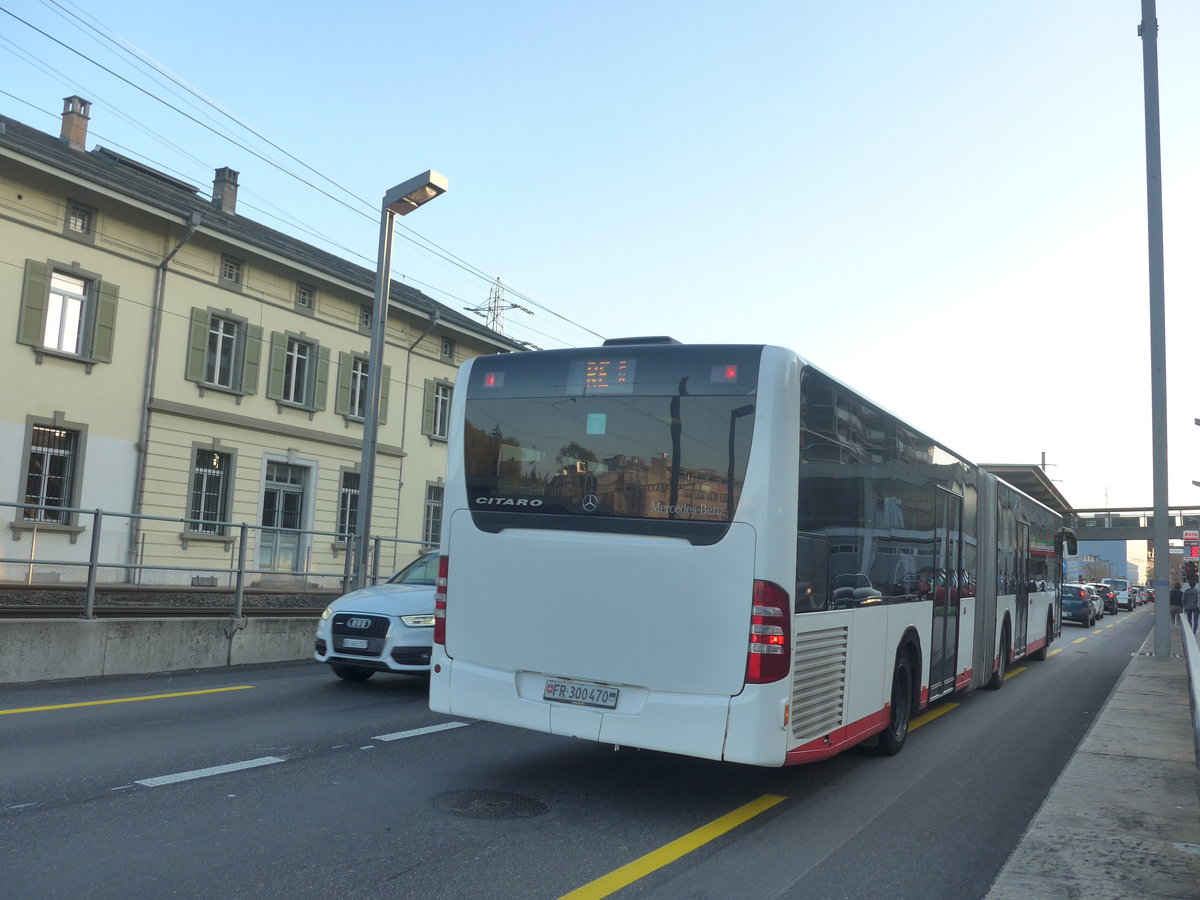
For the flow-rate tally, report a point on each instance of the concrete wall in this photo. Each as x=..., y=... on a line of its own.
x=44, y=649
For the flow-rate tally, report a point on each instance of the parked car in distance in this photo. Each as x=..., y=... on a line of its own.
x=1125, y=600
x=1108, y=596
x=1075, y=607
x=384, y=628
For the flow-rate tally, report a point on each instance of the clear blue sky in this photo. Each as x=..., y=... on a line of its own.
x=941, y=203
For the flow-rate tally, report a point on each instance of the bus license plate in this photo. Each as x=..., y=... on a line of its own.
x=354, y=643
x=581, y=694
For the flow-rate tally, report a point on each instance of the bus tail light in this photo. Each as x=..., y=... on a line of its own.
x=439, y=601
x=770, y=652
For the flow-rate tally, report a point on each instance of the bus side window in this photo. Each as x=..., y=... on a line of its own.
x=812, y=573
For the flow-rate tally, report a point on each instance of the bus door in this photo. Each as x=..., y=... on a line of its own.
x=943, y=650
x=1020, y=638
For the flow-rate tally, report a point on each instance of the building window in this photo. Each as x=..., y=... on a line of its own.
x=67, y=311
x=436, y=419
x=448, y=349
x=296, y=369
x=50, y=474
x=306, y=297
x=299, y=371
x=431, y=530
x=365, y=318
x=210, y=492
x=223, y=352
x=348, y=506
x=231, y=271
x=359, y=375
x=80, y=221
x=64, y=312
x=351, y=398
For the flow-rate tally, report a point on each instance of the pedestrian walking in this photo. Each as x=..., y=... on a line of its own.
x=1191, y=605
x=1176, y=601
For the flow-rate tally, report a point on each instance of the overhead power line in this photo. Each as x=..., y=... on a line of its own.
x=145, y=60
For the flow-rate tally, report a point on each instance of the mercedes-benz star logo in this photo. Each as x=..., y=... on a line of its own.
x=591, y=503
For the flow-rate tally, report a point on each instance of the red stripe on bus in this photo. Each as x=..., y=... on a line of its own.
x=1035, y=646
x=963, y=680
x=839, y=739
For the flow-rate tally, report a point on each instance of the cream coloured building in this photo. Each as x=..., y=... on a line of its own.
x=167, y=357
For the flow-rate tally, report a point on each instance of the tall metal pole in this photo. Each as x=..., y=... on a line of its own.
x=1158, y=331
x=366, y=468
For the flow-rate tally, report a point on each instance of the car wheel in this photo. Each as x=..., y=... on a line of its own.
x=892, y=738
x=352, y=673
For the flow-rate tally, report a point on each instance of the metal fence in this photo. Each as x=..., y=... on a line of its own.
x=51, y=546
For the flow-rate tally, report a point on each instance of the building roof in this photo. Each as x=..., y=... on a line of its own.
x=108, y=169
x=1031, y=479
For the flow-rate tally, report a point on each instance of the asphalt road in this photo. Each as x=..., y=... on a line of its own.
x=282, y=781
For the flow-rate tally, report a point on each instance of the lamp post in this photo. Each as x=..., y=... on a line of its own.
x=399, y=201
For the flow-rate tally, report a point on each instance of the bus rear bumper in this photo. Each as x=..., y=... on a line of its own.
x=689, y=724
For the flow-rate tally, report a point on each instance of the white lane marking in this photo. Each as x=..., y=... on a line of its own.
x=400, y=735
x=211, y=770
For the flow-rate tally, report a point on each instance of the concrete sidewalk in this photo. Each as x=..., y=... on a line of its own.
x=1123, y=819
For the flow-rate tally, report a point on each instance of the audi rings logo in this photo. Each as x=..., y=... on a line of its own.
x=591, y=503
x=358, y=622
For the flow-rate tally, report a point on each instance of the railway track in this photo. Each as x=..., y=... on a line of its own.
x=155, y=612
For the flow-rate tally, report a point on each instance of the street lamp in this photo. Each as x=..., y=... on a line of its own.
x=399, y=201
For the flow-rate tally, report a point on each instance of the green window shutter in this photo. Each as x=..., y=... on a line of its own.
x=105, y=326
x=197, y=345
x=252, y=358
x=341, y=397
x=31, y=324
x=386, y=374
x=427, y=412
x=275, y=365
x=321, y=379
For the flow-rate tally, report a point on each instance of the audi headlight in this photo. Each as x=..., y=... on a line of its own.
x=327, y=612
x=422, y=621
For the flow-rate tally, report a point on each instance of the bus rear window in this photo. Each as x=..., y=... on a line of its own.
x=661, y=434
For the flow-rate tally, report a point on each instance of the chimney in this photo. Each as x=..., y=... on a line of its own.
x=225, y=190
x=75, y=122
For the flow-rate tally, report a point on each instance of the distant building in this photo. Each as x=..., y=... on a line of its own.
x=1113, y=555
x=170, y=357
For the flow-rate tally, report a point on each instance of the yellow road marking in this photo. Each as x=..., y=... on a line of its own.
x=29, y=709
x=651, y=862
x=1079, y=640
x=931, y=715
x=1053, y=652
x=1015, y=672
x=1097, y=631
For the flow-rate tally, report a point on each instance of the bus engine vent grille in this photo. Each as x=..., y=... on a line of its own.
x=819, y=683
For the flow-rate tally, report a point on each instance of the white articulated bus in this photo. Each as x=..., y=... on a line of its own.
x=720, y=551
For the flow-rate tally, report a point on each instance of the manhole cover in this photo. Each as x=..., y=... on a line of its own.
x=490, y=805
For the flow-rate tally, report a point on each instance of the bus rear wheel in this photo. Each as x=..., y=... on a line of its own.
x=997, y=680
x=892, y=738
x=1039, y=654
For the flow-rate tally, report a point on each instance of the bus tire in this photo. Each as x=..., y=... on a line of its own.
x=997, y=680
x=1039, y=655
x=892, y=738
